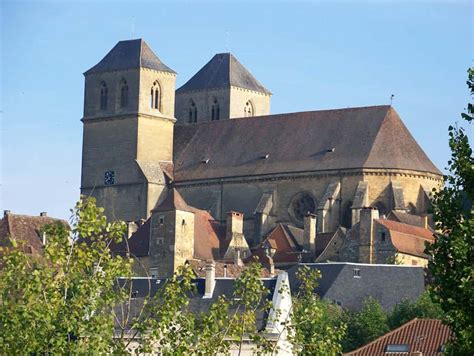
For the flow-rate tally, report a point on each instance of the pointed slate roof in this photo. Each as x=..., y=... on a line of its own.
x=130, y=54
x=223, y=71
x=173, y=201
x=353, y=138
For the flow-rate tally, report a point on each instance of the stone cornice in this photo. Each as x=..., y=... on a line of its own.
x=303, y=175
x=127, y=116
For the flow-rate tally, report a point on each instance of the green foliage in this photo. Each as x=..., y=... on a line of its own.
x=366, y=325
x=60, y=302
x=452, y=263
x=422, y=308
x=316, y=326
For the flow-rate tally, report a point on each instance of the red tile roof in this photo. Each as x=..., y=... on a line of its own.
x=424, y=335
x=418, y=231
x=25, y=228
x=408, y=239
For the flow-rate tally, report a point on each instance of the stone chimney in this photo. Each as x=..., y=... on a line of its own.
x=43, y=213
x=237, y=259
x=367, y=234
x=309, y=234
x=424, y=220
x=235, y=224
x=210, y=278
x=6, y=213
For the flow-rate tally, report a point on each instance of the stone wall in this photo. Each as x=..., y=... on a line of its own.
x=203, y=100
x=239, y=97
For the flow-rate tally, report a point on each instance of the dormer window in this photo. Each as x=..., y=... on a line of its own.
x=215, y=111
x=103, y=96
x=192, y=114
x=155, y=98
x=248, y=109
x=123, y=94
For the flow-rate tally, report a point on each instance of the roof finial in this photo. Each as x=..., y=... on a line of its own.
x=391, y=99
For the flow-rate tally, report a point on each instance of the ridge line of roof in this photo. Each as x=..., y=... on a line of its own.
x=389, y=108
x=282, y=114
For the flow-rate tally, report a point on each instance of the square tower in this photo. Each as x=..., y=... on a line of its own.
x=128, y=130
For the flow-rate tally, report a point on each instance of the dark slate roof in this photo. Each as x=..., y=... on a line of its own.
x=389, y=284
x=130, y=54
x=426, y=336
x=173, y=201
x=145, y=287
x=365, y=137
x=223, y=71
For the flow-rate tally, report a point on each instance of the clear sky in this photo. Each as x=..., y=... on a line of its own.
x=311, y=55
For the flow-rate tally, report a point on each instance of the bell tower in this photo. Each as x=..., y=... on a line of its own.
x=128, y=130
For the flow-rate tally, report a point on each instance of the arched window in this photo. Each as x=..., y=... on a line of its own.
x=103, y=96
x=215, y=111
x=123, y=94
x=155, y=99
x=192, y=117
x=248, y=109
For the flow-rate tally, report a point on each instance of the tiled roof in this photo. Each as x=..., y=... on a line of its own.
x=130, y=54
x=232, y=270
x=173, y=201
x=421, y=335
x=25, y=228
x=286, y=247
x=366, y=137
x=223, y=71
x=407, y=229
x=406, y=218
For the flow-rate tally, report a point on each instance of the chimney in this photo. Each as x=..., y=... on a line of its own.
x=271, y=266
x=235, y=224
x=6, y=212
x=225, y=271
x=309, y=234
x=424, y=220
x=210, y=278
x=132, y=227
x=43, y=213
x=237, y=260
x=366, y=234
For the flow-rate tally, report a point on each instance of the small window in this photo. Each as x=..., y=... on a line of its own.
x=123, y=94
x=248, y=109
x=215, y=111
x=397, y=348
x=338, y=302
x=154, y=272
x=383, y=236
x=155, y=98
x=103, y=96
x=356, y=273
x=192, y=112
x=161, y=219
x=160, y=241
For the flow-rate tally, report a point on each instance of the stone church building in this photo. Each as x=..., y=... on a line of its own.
x=212, y=147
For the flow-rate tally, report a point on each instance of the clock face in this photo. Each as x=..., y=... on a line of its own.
x=109, y=178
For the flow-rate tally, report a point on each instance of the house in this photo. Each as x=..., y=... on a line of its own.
x=209, y=289
x=350, y=284
x=420, y=337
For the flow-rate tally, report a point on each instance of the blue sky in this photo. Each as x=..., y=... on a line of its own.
x=311, y=55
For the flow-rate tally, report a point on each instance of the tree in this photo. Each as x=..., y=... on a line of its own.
x=422, y=308
x=60, y=302
x=76, y=298
x=452, y=262
x=316, y=326
x=365, y=325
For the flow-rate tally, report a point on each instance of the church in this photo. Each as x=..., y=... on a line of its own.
x=205, y=171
